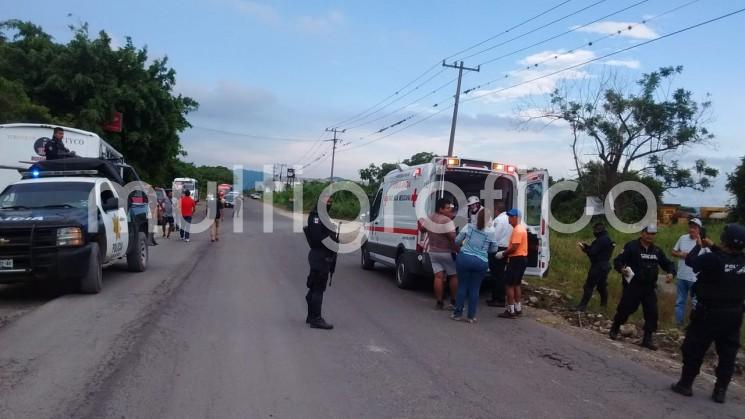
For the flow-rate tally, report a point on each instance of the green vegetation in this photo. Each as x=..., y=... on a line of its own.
x=82, y=84
x=345, y=207
x=736, y=186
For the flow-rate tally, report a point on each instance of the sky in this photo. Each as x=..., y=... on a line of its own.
x=272, y=75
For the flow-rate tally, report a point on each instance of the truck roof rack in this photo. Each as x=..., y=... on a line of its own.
x=75, y=166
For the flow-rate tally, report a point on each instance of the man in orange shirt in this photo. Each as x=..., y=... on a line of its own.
x=516, y=265
x=187, y=211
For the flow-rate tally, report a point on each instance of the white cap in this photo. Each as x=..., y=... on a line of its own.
x=652, y=228
x=696, y=221
x=473, y=199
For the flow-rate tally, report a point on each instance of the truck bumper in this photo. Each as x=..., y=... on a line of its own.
x=47, y=264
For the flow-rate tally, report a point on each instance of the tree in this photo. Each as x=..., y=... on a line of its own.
x=84, y=82
x=374, y=175
x=635, y=133
x=736, y=186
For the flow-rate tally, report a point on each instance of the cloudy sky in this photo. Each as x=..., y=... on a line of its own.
x=271, y=75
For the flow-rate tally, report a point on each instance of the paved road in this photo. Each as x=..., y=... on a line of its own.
x=217, y=330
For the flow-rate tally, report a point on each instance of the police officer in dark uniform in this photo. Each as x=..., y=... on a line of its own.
x=717, y=317
x=638, y=263
x=599, y=253
x=322, y=262
x=54, y=148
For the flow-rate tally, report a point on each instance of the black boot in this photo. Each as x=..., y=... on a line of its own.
x=684, y=386
x=719, y=393
x=648, y=341
x=582, y=306
x=320, y=323
x=614, y=330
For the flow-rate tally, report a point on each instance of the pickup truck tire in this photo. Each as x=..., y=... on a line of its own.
x=137, y=258
x=92, y=281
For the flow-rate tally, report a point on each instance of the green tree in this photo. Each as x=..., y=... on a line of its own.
x=635, y=133
x=373, y=175
x=736, y=186
x=84, y=82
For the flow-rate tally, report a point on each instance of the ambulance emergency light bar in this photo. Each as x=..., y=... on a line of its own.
x=501, y=167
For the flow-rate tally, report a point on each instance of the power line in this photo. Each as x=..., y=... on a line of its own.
x=593, y=59
x=491, y=38
x=437, y=64
x=395, y=111
x=679, y=31
x=265, y=137
x=535, y=30
x=396, y=99
x=574, y=29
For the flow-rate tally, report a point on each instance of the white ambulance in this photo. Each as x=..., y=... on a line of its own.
x=392, y=234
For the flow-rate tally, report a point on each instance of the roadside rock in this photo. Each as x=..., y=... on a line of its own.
x=629, y=331
x=533, y=299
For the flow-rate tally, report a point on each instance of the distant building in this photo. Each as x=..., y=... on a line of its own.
x=714, y=213
x=667, y=213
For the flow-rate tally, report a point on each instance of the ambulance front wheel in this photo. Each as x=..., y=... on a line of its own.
x=366, y=262
x=404, y=278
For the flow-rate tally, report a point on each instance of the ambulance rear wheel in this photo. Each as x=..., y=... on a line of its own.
x=404, y=279
x=366, y=262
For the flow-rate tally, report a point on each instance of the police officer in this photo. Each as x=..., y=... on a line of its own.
x=638, y=263
x=599, y=253
x=322, y=262
x=54, y=148
x=717, y=317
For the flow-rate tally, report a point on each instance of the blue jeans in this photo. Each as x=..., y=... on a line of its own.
x=471, y=271
x=185, y=227
x=685, y=288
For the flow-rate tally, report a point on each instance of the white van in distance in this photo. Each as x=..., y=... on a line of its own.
x=392, y=227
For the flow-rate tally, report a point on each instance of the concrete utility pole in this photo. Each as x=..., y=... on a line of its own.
x=459, y=66
x=333, y=151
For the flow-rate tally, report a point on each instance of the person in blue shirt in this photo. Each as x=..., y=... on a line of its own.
x=475, y=242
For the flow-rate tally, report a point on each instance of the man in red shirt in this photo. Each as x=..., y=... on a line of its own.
x=187, y=211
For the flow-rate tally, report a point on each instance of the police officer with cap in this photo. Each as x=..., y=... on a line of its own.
x=638, y=263
x=54, y=148
x=322, y=262
x=717, y=317
x=599, y=252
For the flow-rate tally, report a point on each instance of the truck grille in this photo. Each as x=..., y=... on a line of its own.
x=27, y=246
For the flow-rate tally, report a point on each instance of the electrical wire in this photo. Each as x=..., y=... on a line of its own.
x=616, y=52
x=263, y=137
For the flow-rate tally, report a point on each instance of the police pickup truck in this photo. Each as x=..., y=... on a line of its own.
x=66, y=220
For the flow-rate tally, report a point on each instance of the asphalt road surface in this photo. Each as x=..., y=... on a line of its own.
x=217, y=330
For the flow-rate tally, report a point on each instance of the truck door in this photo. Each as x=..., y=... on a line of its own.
x=533, y=204
x=115, y=223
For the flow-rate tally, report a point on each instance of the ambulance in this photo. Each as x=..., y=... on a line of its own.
x=392, y=234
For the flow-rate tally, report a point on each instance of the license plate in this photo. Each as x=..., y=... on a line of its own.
x=6, y=263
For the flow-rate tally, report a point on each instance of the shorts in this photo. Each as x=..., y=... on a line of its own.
x=168, y=221
x=442, y=261
x=516, y=266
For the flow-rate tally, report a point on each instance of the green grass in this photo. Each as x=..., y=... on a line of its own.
x=345, y=207
x=569, y=269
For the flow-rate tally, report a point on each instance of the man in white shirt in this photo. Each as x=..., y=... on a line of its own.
x=686, y=276
x=501, y=231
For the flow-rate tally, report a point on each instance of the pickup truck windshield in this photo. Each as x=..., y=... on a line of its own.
x=46, y=195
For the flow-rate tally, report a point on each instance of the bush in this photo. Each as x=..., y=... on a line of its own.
x=345, y=207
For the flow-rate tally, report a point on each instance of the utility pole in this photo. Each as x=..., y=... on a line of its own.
x=459, y=66
x=333, y=151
